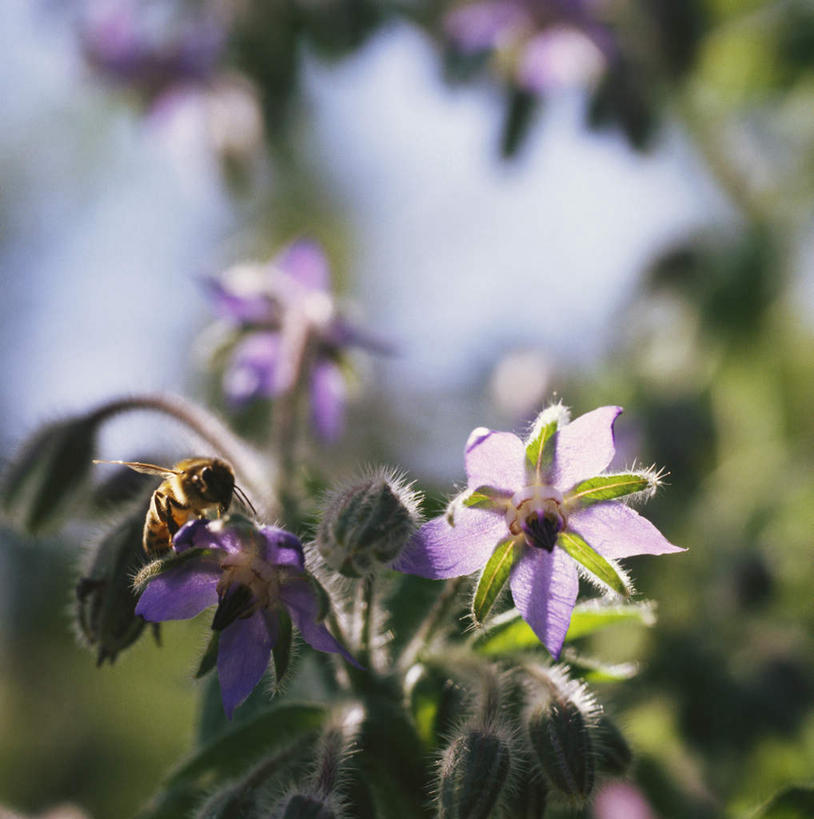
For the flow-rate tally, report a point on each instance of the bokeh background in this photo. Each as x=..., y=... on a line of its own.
x=636, y=230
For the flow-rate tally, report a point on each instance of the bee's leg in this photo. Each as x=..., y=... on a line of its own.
x=171, y=503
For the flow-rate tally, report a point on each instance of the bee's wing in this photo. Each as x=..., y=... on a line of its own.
x=147, y=469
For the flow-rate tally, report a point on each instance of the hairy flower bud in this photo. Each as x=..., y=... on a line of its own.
x=561, y=736
x=613, y=752
x=473, y=771
x=106, y=600
x=368, y=523
x=50, y=471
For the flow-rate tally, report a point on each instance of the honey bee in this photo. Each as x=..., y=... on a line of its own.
x=189, y=490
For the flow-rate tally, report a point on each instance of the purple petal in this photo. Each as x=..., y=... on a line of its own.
x=616, y=531
x=283, y=548
x=252, y=369
x=305, y=261
x=242, y=296
x=583, y=448
x=206, y=534
x=180, y=593
x=244, y=649
x=496, y=459
x=559, y=57
x=328, y=395
x=303, y=607
x=439, y=550
x=544, y=587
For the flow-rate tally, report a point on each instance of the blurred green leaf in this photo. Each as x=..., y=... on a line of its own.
x=792, y=803
x=230, y=753
x=594, y=615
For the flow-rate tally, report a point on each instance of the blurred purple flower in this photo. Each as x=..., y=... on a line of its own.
x=291, y=330
x=621, y=800
x=545, y=44
x=122, y=46
x=535, y=503
x=252, y=574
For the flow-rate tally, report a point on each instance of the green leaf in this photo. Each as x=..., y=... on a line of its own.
x=608, y=487
x=282, y=648
x=486, y=497
x=593, y=616
x=232, y=752
x=796, y=802
x=507, y=634
x=600, y=568
x=210, y=656
x=493, y=578
x=595, y=671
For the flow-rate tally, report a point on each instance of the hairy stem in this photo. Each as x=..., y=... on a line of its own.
x=209, y=429
x=436, y=617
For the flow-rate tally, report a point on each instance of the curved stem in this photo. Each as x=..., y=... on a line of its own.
x=436, y=616
x=208, y=428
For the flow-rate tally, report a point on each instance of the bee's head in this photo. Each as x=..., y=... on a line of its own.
x=216, y=482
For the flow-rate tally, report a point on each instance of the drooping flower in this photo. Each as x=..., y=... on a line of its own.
x=256, y=576
x=152, y=56
x=541, y=44
x=291, y=328
x=548, y=508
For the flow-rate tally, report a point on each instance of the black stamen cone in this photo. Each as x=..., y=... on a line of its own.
x=541, y=532
x=235, y=603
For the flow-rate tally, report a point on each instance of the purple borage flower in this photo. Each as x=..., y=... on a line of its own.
x=256, y=576
x=546, y=44
x=542, y=508
x=289, y=321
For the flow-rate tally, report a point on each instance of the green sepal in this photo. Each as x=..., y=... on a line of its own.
x=609, y=487
x=539, y=450
x=592, y=616
x=493, y=578
x=577, y=548
x=486, y=497
x=210, y=656
x=281, y=652
x=232, y=752
x=166, y=564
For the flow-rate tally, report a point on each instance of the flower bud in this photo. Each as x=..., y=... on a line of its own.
x=49, y=473
x=367, y=524
x=473, y=771
x=560, y=734
x=106, y=600
x=613, y=752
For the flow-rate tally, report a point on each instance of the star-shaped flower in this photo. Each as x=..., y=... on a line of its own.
x=539, y=509
x=290, y=323
x=255, y=575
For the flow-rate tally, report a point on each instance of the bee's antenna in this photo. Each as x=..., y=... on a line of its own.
x=244, y=499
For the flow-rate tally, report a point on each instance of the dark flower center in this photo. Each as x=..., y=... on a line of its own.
x=536, y=512
x=236, y=602
x=541, y=530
